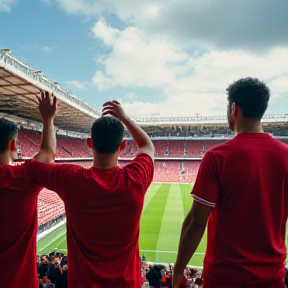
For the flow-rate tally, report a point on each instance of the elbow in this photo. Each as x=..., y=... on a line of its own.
x=50, y=155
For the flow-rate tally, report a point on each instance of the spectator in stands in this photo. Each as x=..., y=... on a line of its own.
x=104, y=204
x=18, y=200
x=198, y=282
x=154, y=278
x=242, y=190
x=54, y=274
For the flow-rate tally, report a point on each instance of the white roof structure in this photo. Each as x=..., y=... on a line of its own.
x=19, y=85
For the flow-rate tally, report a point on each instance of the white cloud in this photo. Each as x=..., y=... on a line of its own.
x=76, y=84
x=224, y=24
x=101, y=81
x=130, y=96
x=86, y=7
x=47, y=49
x=136, y=60
x=188, y=50
x=258, y=25
x=6, y=5
x=190, y=83
x=106, y=33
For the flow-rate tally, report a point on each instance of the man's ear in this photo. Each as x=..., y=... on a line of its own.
x=235, y=110
x=89, y=143
x=123, y=145
x=12, y=145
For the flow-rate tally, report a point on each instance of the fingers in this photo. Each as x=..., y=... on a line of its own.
x=113, y=103
x=108, y=110
x=48, y=97
x=55, y=102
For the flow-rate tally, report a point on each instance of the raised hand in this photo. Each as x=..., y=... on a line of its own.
x=47, y=105
x=114, y=108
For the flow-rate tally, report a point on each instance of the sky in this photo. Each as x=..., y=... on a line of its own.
x=158, y=58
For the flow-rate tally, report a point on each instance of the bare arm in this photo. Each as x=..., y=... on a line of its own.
x=192, y=232
x=47, y=108
x=140, y=137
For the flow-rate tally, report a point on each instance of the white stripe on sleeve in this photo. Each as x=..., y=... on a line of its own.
x=203, y=201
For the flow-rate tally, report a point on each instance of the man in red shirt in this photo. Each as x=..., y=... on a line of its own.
x=241, y=189
x=104, y=204
x=18, y=201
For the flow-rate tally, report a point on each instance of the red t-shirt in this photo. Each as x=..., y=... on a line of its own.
x=18, y=226
x=103, y=209
x=246, y=179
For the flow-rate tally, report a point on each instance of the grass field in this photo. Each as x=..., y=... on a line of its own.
x=165, y=208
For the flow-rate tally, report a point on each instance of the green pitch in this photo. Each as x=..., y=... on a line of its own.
x=165, y=208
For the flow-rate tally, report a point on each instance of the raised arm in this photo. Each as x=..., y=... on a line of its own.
x=47, y=108
x=140, y=137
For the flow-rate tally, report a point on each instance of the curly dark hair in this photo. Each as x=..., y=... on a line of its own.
x=107, y=134
x=251, y=95
x=8, y=131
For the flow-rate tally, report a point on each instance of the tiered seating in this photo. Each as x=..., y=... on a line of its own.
x=171, y=171
x=72, y=147
x=175, y=148
x=29, y=142
x=130, y=150
x=50, y=206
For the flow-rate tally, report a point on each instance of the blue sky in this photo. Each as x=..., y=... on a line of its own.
x=167, y=58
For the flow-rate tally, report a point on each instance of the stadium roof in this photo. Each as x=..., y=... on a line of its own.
x=19, y=85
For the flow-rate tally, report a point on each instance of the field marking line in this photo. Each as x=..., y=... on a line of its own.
x=51, y=242
x=60, y=243
x=171, y=252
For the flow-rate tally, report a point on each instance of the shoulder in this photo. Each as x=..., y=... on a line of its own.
x=141, y=158
x=281, y=144
x=59, y=167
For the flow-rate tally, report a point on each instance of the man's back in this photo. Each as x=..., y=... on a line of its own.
x=18, y=226
x=247, y=179
x=103, y=209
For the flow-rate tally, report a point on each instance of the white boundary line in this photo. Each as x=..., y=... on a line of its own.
x=52, y=242
x=170, y=252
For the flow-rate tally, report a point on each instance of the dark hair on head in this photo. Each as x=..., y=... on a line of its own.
x=251, y=95
x=8, y=131
x=107, y=134
x=198, y=281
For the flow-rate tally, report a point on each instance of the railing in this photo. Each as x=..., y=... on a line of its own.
x=198, y=118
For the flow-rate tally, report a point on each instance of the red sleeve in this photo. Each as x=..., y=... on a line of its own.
x=26, y=170
x=55, y=177
x=206, y=189
x=141, y=171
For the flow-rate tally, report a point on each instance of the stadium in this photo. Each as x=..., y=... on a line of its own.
x=180, y=144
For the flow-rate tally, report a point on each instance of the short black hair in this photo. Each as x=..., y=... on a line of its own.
x=8, y=131
x=251, y=95
x=107, y=134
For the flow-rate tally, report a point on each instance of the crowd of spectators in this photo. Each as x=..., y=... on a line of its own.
x=160, y=276
x=52, y=270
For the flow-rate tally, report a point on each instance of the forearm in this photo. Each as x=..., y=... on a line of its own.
x=48, y=141
x=190, y=238
x=139, y=136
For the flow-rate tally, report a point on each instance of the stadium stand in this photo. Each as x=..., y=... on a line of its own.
x=50, y=206
x=175, y=148
x=29, y=142
x=67, y=147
